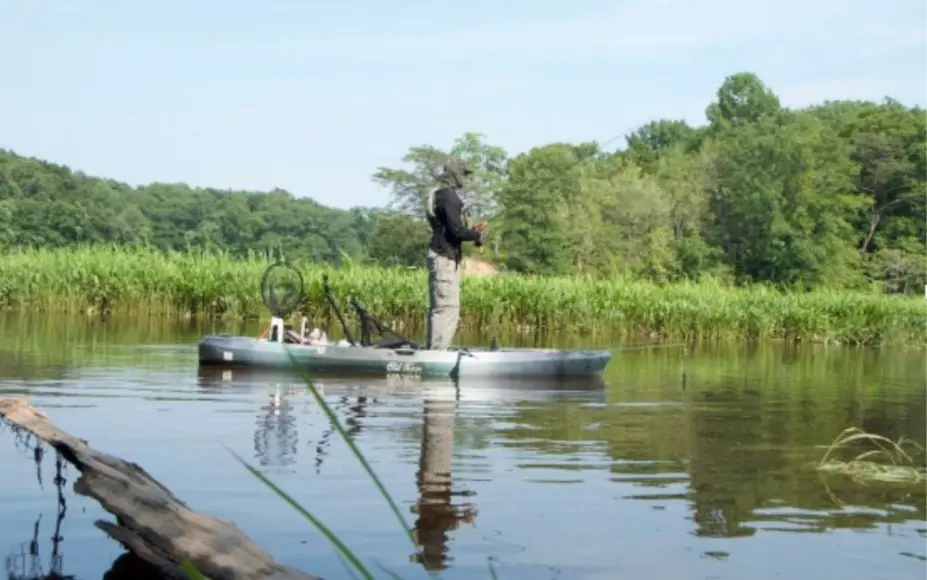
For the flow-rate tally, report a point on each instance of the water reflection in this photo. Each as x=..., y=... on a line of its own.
x=648, y=462
x=25, y=562
x=738, y=444
x=211, y=378
x=22, y=366
x=354, y=413
x=440, y=508
x=751, y=465
x=276, y=437
x=437, y=514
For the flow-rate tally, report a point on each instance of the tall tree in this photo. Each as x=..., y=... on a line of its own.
x=742, y=99
x=409, y=187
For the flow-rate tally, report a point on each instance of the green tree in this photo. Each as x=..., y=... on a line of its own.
x=742, y=99
x=782, y=202
x=409, y=187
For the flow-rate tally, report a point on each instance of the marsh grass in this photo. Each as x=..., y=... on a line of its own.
x=886, y=462
x=143, y=281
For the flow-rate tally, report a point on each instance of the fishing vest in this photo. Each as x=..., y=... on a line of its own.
x=436, y=225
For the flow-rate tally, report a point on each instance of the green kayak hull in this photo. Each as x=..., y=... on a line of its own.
x=243, y=351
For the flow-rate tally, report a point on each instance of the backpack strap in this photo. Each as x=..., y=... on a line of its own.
x=430, y=203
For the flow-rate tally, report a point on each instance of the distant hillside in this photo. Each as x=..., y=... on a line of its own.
x=44, y=204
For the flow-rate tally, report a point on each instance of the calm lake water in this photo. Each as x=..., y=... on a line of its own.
x=686, y=463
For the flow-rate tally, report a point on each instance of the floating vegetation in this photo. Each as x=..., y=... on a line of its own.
x=885, y=462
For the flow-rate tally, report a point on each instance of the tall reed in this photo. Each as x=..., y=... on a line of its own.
x=144, y=281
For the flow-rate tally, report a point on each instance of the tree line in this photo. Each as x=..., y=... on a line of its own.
x=831, y=195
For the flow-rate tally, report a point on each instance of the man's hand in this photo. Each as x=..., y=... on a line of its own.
x=479, y=226
x=480, y=240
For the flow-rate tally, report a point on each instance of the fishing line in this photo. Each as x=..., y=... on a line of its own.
x=682, y=363
x=563, y=175
x=622, y=346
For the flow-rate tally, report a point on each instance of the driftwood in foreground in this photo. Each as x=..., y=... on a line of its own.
x=151, y=522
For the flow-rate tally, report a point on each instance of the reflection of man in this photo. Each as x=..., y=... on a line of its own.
x=436, y=514
x=445, y=216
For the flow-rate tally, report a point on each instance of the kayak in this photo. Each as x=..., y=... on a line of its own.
x=280, y=347
x=340, y=358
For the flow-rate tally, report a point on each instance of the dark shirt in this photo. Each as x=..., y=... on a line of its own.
x=448, y=231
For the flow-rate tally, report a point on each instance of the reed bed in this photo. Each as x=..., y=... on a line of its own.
x=141, y=281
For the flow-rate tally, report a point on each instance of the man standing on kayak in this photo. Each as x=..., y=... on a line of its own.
x=444, y=210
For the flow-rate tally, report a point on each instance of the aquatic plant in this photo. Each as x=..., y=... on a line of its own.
x=212, y=284
x=887, y=462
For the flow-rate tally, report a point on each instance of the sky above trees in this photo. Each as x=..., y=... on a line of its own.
x=312, y=97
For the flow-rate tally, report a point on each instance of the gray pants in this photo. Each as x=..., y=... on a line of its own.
x=444, y=300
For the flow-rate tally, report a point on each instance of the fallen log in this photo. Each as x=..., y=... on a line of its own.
x=151, y=522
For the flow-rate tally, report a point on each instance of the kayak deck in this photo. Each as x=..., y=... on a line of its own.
x=404, y=360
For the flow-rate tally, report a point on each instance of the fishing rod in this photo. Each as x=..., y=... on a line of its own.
x=579, y=164
x=562, y=176
x=621, y=346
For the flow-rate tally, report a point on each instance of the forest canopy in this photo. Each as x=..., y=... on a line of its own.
x=831, y=195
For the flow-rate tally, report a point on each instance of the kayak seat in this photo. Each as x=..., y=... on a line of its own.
x=391, y=342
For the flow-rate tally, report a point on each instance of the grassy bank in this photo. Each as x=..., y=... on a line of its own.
x=146, y=282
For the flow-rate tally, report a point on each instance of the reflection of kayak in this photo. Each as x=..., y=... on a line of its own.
x=239, y=379
x=403, y=360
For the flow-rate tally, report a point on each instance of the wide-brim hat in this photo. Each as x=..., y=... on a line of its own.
x=457, y=166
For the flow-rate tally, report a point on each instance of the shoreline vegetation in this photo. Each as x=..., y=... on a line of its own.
x=141, y=281
x=765, y=222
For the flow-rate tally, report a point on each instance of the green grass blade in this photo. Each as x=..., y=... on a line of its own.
x=492, y=569
x=192, y=571
x=347, y=568
x=342, y=548
x=333, y=418
x=388, y=572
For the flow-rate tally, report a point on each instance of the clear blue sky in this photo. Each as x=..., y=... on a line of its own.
x=312, y=96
